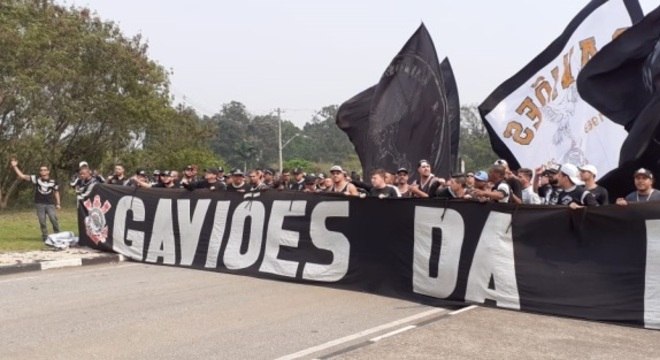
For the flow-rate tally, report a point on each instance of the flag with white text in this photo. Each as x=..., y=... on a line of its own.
x=537, y=116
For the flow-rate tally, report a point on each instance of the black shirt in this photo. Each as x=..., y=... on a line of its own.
x=516, y=188
x=44, y=190
x=243, y=188
x=387, y=192
x=601, y=195
x=297, y=186
x=118, y=181
x=577, y=194
x=445, y=193
x=204, y=184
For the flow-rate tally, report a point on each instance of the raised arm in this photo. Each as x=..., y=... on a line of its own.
x=19, y=173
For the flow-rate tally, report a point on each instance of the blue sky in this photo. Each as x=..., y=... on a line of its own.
x=302, y=55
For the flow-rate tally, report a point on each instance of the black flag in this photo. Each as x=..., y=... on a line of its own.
x=413, y=113
x=622, y=81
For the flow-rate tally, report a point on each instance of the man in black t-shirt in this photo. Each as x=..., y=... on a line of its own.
x=455, y=188
x=238, y=183
x=298, y=184
x=570, y=193
x=380, y=188
x=211, y=181
x=46, y=197
x=588, y=174
x=118, y=177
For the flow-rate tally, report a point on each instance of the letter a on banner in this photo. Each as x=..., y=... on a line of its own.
x=652, y=278
x=537, y=116
x=494, y=259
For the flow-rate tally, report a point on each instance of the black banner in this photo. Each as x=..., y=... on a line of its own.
x=413, y=113
x=592, y=263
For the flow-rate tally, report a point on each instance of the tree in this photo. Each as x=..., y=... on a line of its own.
x=73, y=87
x=474, y=144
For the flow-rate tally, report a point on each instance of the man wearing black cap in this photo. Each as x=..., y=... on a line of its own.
x=140, y=175
x=299, y=182
x=644, y=190
x=211, y=181
x=545, y=183
x=310, y=184
x=269, y=178
x=238, y=183
x=166, y=181
x=190, y=174
x=402, y=183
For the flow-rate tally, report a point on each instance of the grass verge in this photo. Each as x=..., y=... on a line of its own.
x=19, y=229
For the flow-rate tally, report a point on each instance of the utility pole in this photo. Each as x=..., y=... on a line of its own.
x=279, y=135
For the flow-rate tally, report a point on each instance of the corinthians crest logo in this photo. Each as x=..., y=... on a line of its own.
x=95, y=224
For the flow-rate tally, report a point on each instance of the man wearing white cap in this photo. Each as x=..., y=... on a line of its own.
x=569, y=193
x=339, y=182
x=644, y=190
x=588, y=174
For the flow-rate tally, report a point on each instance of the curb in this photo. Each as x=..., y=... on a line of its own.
x=59, y=264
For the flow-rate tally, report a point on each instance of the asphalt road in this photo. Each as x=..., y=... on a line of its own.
x=136, y=311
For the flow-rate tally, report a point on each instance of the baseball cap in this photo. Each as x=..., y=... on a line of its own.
x=421, y=162
x=402, y=170
x=644, y=172
x=572, y=172
x=336, y=168
x=165, y=173
x=310, y=180
x=590, y=168
x=156, y=173
x=551, y=170
x=237, y=172
x=269, y=171
x=141, y=172
x=481, y=176
x=501, y=162
x=213, y=170
x=83, y=164
x=297, y=171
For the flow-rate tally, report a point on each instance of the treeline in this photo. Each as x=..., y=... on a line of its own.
x=73, y=87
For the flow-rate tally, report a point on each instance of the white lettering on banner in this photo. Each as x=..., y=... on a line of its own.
x=453, y=232
x=132, y=244
x=162, y=235
x=233, y=258
x=218, y=232
x=276, y=236
x=190, y=228
x=332, y=241
x=494, y=258
x=652, y=278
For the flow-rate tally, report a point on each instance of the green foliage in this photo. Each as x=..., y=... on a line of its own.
x=305, y=165
x=474, y=146
x=73, y=87
x=20, y=230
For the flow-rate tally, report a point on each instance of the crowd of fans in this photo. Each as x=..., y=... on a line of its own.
x=553, y=185
x=564, y=184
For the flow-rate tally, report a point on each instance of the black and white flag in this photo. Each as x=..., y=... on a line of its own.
x=623, y=83
x=413, y=113
x=537, y=116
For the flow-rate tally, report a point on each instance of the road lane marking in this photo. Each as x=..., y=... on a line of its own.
x=360, y=334
x=392, y=333
x=463, y=310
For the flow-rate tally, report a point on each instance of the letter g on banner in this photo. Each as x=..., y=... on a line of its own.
x=452, y=227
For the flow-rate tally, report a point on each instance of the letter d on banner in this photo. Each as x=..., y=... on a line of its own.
x=652, y=278
x=453, y=230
